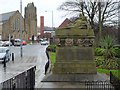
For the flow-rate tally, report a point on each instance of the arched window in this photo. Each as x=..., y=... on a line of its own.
x=15, y=24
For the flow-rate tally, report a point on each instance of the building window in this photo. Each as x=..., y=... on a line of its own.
x=14, y=25
x=17, y=24
x=14, y=36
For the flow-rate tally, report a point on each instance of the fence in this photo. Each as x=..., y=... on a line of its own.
x=98, y=85
x=114, y=81
x=22, y=81
x=26, y=80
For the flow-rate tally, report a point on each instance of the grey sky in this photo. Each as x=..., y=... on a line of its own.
x=42, y=6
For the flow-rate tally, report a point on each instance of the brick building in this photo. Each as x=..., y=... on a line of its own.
x=10, y=23
x=65, y=23
x=30, y=20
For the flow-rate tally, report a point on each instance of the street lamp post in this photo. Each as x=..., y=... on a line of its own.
x=52, y=34
x=51, y=18
x=21, y=28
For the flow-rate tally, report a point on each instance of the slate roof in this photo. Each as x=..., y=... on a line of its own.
x=6, y=16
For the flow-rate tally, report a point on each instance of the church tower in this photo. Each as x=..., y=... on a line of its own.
x=30, y=20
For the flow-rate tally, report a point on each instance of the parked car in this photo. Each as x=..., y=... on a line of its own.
x=7, y=43
x=24, y=42
x=4, y=54
x=1, y=43
x=17, y=42
x=44, y=43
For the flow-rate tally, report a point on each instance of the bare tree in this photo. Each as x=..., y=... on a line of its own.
x=119, y=23
x=109, y=12
x=100, y=21
x=86, y=7
x=72, y=6
x=90, y=8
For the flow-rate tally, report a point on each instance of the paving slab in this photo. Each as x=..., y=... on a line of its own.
x=13, y=69
x=75, y=77
x=21, y=64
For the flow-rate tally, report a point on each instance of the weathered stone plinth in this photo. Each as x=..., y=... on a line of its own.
x=75, y=49
x=74, y=60
x=75, y=77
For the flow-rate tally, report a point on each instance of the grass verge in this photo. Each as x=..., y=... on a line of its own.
x=114, y=72
x=52, y=57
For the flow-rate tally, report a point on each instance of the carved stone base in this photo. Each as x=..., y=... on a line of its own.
x=74, y=60
x=74, y=68
x=75, y=77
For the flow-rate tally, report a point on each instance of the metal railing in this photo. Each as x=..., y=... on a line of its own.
x=25, y=80
x=98, y=85
x=114, y=81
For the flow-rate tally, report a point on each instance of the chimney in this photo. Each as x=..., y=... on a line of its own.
x=42, y=25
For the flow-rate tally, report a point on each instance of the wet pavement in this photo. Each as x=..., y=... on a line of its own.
x=16, y=67
x=34, y=55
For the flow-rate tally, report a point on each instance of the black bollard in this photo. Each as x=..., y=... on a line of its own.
x=4, y=62
x=12, y=56
x=46, y=67
x=47, y=54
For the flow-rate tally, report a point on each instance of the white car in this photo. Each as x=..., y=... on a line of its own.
x=44, y=43
x=17, y=42
x=1, y=43
x=4, y=54
x=7, y=43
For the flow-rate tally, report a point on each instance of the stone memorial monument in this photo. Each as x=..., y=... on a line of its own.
x=74, y=54
x=75, y=49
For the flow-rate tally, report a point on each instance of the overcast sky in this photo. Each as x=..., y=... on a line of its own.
x=42, y=6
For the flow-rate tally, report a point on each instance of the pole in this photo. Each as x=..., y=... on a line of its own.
x=21, y=28
x=52, y=25
x=9, y=43
x=100, y=23
x=118, y=24
x=52, y=20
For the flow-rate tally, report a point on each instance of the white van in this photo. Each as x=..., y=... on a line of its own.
x=17, y=42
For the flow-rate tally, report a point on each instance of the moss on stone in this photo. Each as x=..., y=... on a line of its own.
x=74, y=32
x=75, y=58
